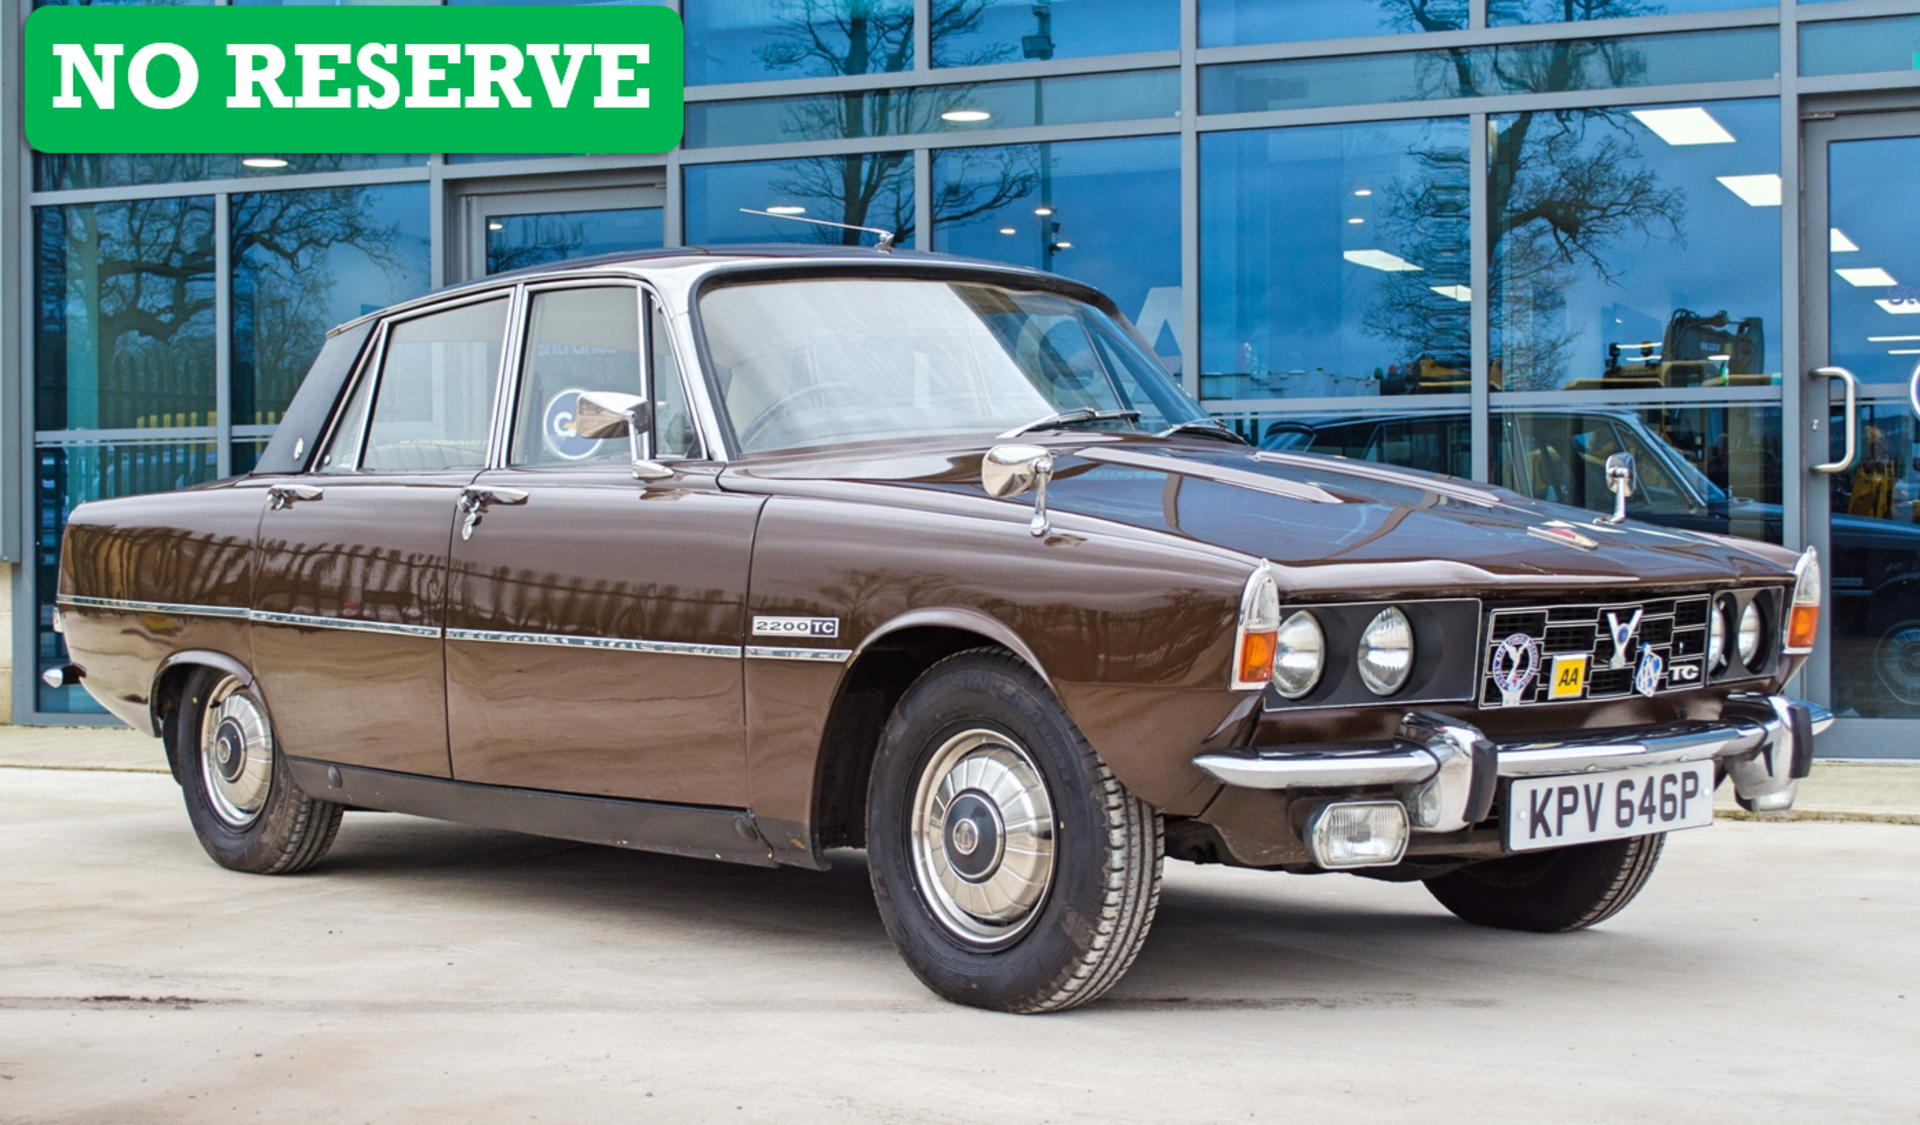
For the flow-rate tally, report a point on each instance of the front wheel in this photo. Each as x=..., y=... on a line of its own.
x=244, y=806
x=1551, y=892
x=1012, y=869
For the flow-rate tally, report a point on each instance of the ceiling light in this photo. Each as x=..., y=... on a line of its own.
x=1043, y=210
x=965, y=115
x=1355, y=222
x=1379, y=260
x=1006, y=230
x=1838, y=243
x=1364, y=191
x=1903, y=351
x=1719, y=358
x=1457, y=292
x=1873, y=275
x=495, y=226
x=1891, y=339
x=263, y=162
x=1691, y=126
x=1063, y=246
x=1757, y=191
x=1898, y=308
x=786, y=209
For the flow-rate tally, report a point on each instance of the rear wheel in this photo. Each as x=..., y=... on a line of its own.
x=1553, y=891
x=1012, y=869
x=243, y=803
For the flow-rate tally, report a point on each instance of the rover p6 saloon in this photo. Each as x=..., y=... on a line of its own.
x=753, y=554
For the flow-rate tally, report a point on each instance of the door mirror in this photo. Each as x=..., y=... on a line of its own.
x=599, y=415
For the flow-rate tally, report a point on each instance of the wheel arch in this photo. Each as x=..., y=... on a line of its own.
x=170, y=681
x=884, y=665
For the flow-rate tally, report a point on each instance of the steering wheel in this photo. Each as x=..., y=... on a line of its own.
x=783, y=406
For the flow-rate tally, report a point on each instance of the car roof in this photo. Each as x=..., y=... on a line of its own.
x=708, y=259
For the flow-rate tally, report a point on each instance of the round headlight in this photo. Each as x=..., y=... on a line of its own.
x=1386, y=652
x=1749, y=639
x=1718, y=626
x=1299, y=655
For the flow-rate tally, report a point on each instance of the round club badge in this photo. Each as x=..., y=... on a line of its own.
x=1516, y=661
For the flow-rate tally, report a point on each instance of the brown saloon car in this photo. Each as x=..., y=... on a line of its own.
x=749, y=555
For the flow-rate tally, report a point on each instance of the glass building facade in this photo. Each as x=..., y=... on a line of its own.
x=1494, y=238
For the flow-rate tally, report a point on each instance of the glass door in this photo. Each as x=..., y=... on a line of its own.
x=1863, y=303
x=509, y=230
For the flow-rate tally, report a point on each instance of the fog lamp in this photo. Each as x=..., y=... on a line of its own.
x=1300, y=655
x=1386, y=652
x=1804, y=621
x=1358, y=834
x=1748, y=640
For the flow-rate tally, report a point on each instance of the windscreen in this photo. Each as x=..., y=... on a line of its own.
x=824, y=361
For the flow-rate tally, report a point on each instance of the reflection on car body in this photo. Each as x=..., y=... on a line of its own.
x=726, y=554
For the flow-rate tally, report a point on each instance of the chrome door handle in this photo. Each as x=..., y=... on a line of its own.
x=474, y=500
x=1850, y=451
x=281, y=496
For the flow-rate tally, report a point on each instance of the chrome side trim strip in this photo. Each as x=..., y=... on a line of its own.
x=307, y=621
x=820, y=655
x=611, y=644
x=174, y=608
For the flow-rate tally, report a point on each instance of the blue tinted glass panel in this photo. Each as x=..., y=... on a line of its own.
x=865, y=189
x=1334, y=261
x=1873, y=260
x=71, y=171
x=123, y=314
x=975, y=32
x=304, y=261
x=1860, y=46
x=1469, y=72
x=1069, y=100
x=757, y=40
x=1228, y=23
x=1502, y=13
x=516, y=241
x=70, y=474
x=1636, y=248
x=1113, y=221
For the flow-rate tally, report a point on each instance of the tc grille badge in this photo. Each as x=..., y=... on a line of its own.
x=1515, y=663
x=1622, y=633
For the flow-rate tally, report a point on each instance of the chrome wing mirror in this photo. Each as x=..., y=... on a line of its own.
x=1009, y=470
x=1620, y=481
x=601, y=415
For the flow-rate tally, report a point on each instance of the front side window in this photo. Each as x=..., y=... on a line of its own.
x=578, y=340
x=821, y=362
x=434, y=400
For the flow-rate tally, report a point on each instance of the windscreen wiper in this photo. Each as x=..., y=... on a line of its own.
x=1211, y=427
x=1073, y=418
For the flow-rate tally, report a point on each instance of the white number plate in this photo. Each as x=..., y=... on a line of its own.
x=1553, y=812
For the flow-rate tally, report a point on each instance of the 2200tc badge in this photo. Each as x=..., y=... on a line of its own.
x=758, y=555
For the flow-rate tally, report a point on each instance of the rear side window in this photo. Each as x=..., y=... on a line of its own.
x=434, y=400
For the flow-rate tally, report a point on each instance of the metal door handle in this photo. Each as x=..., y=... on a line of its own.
x=281, y=496
x=474, y=500
x=1850, y=451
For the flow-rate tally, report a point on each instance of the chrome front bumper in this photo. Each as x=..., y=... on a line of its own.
x=1448, y=771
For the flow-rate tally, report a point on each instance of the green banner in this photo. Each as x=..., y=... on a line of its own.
x=354, y=79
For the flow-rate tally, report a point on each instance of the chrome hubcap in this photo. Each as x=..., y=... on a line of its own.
x=236, y=755
x=982, y=837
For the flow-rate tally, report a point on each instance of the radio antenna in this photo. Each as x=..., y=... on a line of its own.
x=885, y=245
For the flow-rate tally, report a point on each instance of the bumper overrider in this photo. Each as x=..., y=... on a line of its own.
x=1445, y=773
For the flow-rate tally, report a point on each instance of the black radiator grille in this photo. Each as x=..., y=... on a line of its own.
x=1567, y=653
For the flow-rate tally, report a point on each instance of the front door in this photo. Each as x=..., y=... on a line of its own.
x=350, y=593
x=1863, y=296
x=595, y=621
x=509, y=230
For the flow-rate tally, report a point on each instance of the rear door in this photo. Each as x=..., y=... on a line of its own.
x=350, y=597
x=595, y=621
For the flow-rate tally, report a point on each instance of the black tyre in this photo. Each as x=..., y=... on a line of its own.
x=1551, y=892
x=244, y=806
x=1012, y=869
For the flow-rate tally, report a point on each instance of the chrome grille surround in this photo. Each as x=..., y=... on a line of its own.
x=1672, y=631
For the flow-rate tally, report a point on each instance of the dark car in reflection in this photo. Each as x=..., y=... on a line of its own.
x=1558, y=454
x=751, y=555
